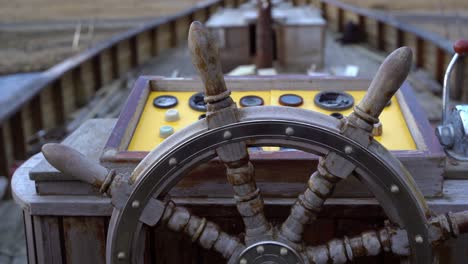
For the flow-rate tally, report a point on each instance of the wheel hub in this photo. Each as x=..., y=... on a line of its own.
x=269, y=252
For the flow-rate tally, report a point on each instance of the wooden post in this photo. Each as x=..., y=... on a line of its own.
x=36, y=110
x=400, y=38
x=380, y=35
x=419, y=52
x=133, y=52
x=461, y=81
x=340, y=19
x=264, y=37
x=57, y=101
x=362, y=23
x=323, y=7
x=154, y=41
x=440, y=65
x=81, y=95
x=17, y=132
x=173, y=33
x=115, y=62
x=97, y=72
x=3, y=155
x=207, y=12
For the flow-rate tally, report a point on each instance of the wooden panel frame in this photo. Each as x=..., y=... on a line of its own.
x=115, y=148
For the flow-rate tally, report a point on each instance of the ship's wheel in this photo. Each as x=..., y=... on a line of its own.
x=345, y=147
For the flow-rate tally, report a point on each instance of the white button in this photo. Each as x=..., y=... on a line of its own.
x=166, y=131
x=172, y=115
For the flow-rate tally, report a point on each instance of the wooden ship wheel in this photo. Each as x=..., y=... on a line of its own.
x=346, y=147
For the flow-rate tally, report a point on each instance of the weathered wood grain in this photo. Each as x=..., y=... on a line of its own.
x=18, y=136
x=66, y=85
x=84, y=239
x=87, y=80
x=8, y=149
x=124, y=57
x=65, y=187
x=143, y=42
x=29, y=235
x=47, y=239
x=4, y=164
x=107, y=62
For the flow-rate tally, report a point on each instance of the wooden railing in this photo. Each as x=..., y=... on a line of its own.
x=47, y=102
x=383, y=32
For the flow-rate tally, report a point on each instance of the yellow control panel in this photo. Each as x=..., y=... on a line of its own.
x=153, y=125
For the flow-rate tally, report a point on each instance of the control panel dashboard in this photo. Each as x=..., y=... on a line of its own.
x=166, y=112
x=158, y=107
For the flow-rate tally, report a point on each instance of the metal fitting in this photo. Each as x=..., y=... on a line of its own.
x=445, y=133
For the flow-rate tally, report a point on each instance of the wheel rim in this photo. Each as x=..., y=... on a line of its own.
x=160, y=176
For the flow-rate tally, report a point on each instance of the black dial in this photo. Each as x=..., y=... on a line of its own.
x=334, y=100
x=197, y=103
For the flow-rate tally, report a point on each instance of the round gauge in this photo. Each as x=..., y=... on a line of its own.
x=334, y=101
x=291, y=100
x=197, y=102
x=165, y=101
x=251, y=100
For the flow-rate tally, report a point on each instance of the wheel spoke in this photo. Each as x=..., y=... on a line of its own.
x=206, y=233
x=358, y=127
x=221, y=111
x=370, y=243
x=309, y=203
x=388, y=239
x=248, y=199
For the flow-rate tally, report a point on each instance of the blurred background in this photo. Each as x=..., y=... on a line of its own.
x=35, y=35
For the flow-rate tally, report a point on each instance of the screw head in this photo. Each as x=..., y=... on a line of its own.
x=289, y=131
x=172, y=161
x=283, y=251
x=121, y=255
x=348, y=149
x=243, y=261
x=418, y=239
x=260, y=249
x=394, y=189
x=227, y=135
x=135, y=204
